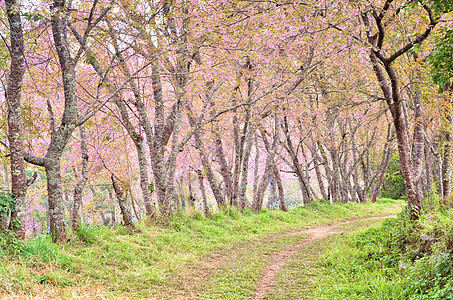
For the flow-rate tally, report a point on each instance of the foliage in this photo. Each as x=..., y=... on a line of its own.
x=6, y=203
x=393, y=186
x=441, y=59
x=8, y=239
x=88, y=233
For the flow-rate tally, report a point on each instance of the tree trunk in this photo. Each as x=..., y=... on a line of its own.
x=446, y=163
x=55, y=198
x=78, y=189
x=256, y=174
x=127, y=216
x=272, y=197
x=258, y=197
x=13, y=99
x=203, y=193
x=144, y=180
x=381, y=172
x=224, y=168
x=281, y=193
x=245, y=169
x=316, y=163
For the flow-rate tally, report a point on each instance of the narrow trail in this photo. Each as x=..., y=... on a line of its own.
x=279, y=259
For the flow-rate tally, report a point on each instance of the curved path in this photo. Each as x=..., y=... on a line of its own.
x=279, y=259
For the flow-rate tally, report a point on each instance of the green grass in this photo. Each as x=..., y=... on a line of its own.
x=347, y=274
x=300, y=277
x=241, y=269
x=164, y=261
x=388, y=262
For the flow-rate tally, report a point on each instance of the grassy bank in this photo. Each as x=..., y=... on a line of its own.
x=153, y=260
x=401, y=259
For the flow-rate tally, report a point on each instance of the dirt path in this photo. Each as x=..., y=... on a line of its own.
x=277, y=260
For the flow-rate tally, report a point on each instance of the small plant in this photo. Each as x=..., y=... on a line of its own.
x=8, y=239
x=7, y=202
x=55, y=279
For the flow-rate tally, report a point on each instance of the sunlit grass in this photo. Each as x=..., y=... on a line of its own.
x=388, y=262
x=153, y=259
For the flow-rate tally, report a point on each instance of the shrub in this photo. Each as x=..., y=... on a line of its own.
x=8, y=239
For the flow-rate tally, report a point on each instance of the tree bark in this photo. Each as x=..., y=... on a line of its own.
x=319, y=176
x=245, y=169
x=256, y=175
x=272, y=197
x=381, y=172
x=258, y=197
x=15, y=136
x=127, y=216
x=446, y=163
x=78, y=189
x=203, y=193
x=281, y=192
x=271, y=152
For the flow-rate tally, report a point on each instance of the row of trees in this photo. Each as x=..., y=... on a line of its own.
x=241, y=95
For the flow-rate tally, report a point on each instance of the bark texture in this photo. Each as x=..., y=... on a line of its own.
x=13, y=99
x=125, y=211
x=389, y=84
x=78, y=189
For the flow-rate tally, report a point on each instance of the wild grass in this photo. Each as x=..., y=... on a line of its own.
x=159, y=261
x=394, y=261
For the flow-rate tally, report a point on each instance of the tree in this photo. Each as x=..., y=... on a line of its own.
x=383, y=61
x=78, y=189
x=442, y=74
x=19, y=180
x=71, y=117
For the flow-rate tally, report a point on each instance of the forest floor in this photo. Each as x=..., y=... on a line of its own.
x=232, y=255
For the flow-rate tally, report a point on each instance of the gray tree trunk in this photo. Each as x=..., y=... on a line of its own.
x=78, y=189
x=446, y=163
x=15, y=136
x=127, y=216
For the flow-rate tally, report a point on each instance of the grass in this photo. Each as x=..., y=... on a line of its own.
x=348, y=274
x=393, y=261
x=241, y=269
x=300, y=277
x=164, y=261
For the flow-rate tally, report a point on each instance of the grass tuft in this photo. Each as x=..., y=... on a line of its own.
x=43, y=248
